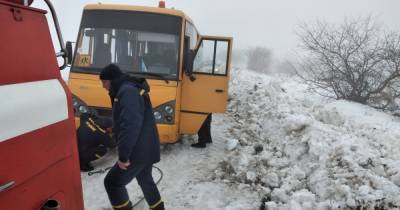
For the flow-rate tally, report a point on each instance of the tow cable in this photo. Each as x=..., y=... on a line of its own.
x=100, y=171
x=103, y=170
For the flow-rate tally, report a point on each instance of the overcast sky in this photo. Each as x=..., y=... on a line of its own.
x=268, y=23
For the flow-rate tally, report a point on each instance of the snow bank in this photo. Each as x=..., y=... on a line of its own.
x=301, y=152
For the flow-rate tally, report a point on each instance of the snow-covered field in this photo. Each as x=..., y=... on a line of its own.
x=280, y=145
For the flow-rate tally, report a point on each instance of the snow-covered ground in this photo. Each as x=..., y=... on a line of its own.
x=280, y=145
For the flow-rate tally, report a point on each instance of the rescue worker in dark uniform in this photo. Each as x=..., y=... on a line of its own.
x=93, y=139
x=204, y=133
x=137, y=139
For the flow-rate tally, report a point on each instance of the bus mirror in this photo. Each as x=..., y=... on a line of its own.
x=190, y=55
x=189, y=62
x=69, y=52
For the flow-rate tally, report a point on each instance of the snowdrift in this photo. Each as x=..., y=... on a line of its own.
x=300, y=151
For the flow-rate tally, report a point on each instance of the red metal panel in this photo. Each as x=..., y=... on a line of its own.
x=26, y=48
x=33, y=194
x=43, y=163
x=20, y=1
x=33, y=160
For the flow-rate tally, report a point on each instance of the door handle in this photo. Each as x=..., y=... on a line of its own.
x=7, y=185
x=219, y=91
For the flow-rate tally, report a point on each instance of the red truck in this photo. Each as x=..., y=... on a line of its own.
x=38, y=152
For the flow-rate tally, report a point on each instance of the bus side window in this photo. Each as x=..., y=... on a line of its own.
x=212, y=57
x=221, y=57
x=203, y=62
x=192, y=35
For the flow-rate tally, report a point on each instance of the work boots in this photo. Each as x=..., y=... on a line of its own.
x=199, y=145
x=159, y=207
x=202, y=143
x=85, y=167
x=127, y=207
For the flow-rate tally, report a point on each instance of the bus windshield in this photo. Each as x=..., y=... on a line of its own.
x=139, y=43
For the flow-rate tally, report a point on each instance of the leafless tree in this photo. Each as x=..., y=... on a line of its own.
x=355, y=61
x=259, y=59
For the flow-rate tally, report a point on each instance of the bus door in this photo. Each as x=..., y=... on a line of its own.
x=206, y=91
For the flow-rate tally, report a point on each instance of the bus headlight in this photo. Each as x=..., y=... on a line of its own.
x=168, y=109
x=75, y=102
x=168, y=118
x=165, y=113
x=157, y=115
x=80, y=107
x=83, y=109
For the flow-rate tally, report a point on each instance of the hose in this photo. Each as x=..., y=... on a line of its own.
x=102, y=171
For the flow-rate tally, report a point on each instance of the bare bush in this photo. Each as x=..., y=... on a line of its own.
x=259, y=59
x=355, y=61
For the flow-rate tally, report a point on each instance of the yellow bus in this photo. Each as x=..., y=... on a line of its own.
x=188, y=73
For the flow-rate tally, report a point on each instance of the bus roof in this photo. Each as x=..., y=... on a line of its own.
x=126, y=7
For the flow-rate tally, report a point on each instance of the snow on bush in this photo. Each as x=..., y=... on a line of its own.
x=299, y=152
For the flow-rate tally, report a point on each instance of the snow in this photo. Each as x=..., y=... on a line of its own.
x=280, y=147
x=188, y=182
x=231, y=144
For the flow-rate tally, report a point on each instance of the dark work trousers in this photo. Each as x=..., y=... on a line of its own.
x=205, y=131
x=92, y=143
x=117, y=179
x=92, y=153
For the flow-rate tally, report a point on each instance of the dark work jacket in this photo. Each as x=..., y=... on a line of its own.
x=134, y=124
x=92, y=133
